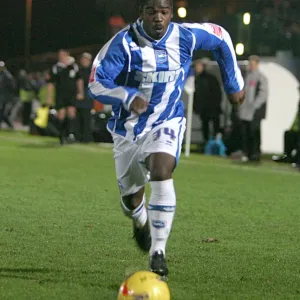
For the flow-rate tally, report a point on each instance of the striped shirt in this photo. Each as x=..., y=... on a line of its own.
x=133, y=64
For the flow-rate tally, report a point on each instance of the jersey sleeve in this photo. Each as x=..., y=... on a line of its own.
x=214, y=38
x=108, y=65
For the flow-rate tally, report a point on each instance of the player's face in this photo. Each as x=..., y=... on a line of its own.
x=157, y=15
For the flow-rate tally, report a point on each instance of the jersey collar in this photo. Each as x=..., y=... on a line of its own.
x=139, y=26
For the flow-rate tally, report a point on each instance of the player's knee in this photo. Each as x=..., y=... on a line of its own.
x=161, y=173
x=131, y=202
x=128, y=202
x=71, y=112
x=161, y=166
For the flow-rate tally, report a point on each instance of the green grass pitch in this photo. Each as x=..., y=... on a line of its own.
x=63, y=235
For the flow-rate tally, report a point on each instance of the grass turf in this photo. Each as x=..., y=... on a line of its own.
x=63, y=235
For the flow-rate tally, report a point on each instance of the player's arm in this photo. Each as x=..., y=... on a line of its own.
x=79, y=83
x=50, y=85
x=111, y=61
x=216, y=39
x=80, y=88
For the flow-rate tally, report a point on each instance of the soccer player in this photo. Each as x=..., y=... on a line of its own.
x=141, y=72
x=65, y=76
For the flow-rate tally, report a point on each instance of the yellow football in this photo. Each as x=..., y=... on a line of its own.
x=144, y=285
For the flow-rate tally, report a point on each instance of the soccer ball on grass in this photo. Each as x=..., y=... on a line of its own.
x=144, y=285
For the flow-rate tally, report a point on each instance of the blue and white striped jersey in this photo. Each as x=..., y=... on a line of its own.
x=132, y=64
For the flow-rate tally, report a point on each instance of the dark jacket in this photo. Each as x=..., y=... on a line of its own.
x=65, y=78
x=87, y=102
x=208, y=95
x=7, y=86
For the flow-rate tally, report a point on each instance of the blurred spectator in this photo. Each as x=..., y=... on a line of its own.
x=40, y=80
x=291, y=140
x=27, y=93
x=290, y=144
x=207, y=99
x=233, y=135
x=85, y=105
x=65, y=77
x=253, y=110
x=7, y=88
x=43, y=89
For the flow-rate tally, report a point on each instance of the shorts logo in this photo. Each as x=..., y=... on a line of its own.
x=158, y=224
x=161, y=56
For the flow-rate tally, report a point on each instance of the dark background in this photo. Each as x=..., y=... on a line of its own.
x=68, y=23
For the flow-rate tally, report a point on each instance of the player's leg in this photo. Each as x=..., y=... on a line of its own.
x=71, y=114
x=61, y=115
x=245, y=140
x=205, y=127
x=132, y=177
x=162, y=149
x=134, y=206
x=216, y=124
x=161, y=208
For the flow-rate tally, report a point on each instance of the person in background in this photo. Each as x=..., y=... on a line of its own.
x=66, y=78
x=85, y=105
x=207, y=99
x=253, y=110
x=7, y=88
x=40, y=80
x=43, y=90
x=290, y=142
x=27, y=93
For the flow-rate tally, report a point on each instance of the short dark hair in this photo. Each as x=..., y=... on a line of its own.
x=64, y=50
x=142, y=3
x=255, y=58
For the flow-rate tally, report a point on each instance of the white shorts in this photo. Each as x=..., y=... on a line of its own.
x=130, y=157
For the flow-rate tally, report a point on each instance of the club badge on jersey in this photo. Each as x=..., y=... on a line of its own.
x=161, y=56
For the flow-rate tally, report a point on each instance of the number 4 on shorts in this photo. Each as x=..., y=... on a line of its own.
x=165, y=131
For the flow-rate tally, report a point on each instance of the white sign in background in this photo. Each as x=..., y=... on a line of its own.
x=282, y=106
x=281, y=109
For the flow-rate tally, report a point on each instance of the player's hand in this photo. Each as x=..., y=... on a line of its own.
x=237, y=98
x=80, y=96
x=139, y=105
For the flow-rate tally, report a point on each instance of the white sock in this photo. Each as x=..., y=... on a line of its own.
x=161, y=210
x=139, y=214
